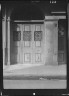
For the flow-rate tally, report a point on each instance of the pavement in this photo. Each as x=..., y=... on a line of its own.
x=28, y=71
x=35, y=84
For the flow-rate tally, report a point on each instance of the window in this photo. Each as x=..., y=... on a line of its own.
x=38, y=35
x=27, y=35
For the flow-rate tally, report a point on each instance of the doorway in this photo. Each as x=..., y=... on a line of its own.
x=35, y=43
x=29, y=43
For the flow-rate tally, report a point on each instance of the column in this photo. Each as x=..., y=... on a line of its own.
x=8, y=39
x=4, y=38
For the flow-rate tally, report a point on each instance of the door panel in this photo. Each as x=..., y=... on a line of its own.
x=38, y=57
x=32, y=49
x=38, y=43
x=26, y=44
x=27, y=57
x=37, y=27
x=26, y=27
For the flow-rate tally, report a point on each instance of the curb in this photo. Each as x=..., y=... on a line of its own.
x=34, y=77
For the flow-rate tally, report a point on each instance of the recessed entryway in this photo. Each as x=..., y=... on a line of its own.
x=29, y=41
x=35, y=43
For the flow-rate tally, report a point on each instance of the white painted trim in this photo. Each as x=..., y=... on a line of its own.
x=29, y=21
x=58, y=12
x=54, y=17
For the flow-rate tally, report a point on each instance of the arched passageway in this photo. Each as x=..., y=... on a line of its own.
x=32, y=40
x=27, y=39
x=27, y=12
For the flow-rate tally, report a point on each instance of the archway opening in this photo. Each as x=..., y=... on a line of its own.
x=27, y=12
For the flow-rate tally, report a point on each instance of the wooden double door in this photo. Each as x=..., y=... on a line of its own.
x=29, y=42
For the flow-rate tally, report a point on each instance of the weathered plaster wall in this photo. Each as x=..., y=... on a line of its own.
x=51, y=42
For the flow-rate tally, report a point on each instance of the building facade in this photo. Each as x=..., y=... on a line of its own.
x=34, y=32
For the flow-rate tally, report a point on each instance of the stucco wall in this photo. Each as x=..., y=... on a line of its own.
x=51, y=42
